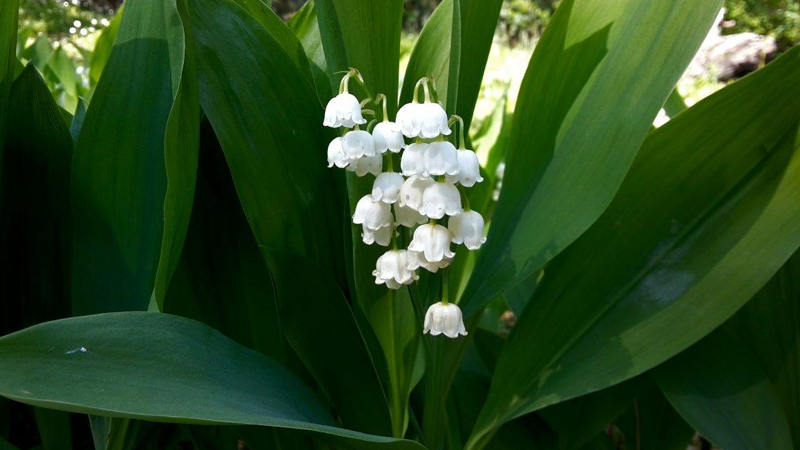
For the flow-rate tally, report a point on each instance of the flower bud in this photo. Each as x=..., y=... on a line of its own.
x=373, y=215
x=386, y=187
x=467, y=229
x=439, y=199
x=412, y=190
x=344, y=110
x=444, y=318
x=407, y=217
x=336, y=154
x=381, y=236
x=365, y=164
x=441, y=158
x=387, y=136
x=413, y=160
x=392, y=269
x=358, y=143
x=469, y=169
x=433, y=241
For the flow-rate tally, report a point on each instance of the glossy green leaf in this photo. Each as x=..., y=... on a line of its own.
x=744, y=386
x=181, y=142
x=221, y=279
x=59, y=70
x=38, y=52
x=310, y=314
x=118, y=191
x=596, y=81
x=769, y=325
x=305, y=25
x=159, y=367
x=364, y=35
x=102, y=48
x=35, y=219
x=269, y=124
x=575, y=422
x=453, y=47
x=652, y=424
x=9, y=17
x=720, y=388
x=77, y=121
x=55, y=429
x=705, y=217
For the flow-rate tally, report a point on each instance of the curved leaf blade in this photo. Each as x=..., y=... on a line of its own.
x=596, y=81
x=312, y=313
x=703, y=220
x=118, y=193
x=720, y=388
x=161, y=368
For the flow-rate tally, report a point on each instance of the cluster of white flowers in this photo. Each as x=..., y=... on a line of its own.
x=425, y=195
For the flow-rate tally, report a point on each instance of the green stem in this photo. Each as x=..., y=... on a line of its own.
x=422, y=81
x=445, y=286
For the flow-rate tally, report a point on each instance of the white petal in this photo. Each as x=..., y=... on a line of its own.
x=387, y=136
x=441, y=158
x=358, y=143
x=407, y=217
x=439, y=199
x=386, y=187
x=373, y=215
x=413, y=160
x=467, y=228
x=412, y=190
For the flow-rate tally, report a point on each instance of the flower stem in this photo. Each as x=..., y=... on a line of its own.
x=462, y=142
x=389, y=161
x=422, y=81
x=382, y=98
x=464, y=199
x=445, y=286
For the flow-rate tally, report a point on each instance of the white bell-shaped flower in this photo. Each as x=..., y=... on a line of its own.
x=407, y=119
x=469, y=169
x=373, y=215
x=336, y=154
x=467, y=229
x=387, y=136
x=433, y=241
x=381, y=236
x=386, y=187
x=358, y=143
x=344, y=110
x=413, y=160
x=444, y=318
x=392, y=269
x=426, y=120
x=439, y=199
x=412, y=190
x=407, y=217
x=434, y=120
x=417, y=259
x=366, y=164
x=441, y=158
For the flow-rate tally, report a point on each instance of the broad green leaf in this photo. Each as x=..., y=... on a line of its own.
x=161, y=368
x=181, y=142
x=769, y=325
x=221, y=279
x=596, y=81
x=77, y=121
x=59, y=70
x=652, y=424
x=305, y=25
x=705, y=217
x=310, y=314
x=102, y=48
x=9, y=18
x=35, y=219
x=575, y=422
x=38, y=52
x=674, y=104
x=454, y=47
x=55, y=429
x=118, y=190
x=5, y=445
x=721, y=389
x=269, y=124
x=364, y=35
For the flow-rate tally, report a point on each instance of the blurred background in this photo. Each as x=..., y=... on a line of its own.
x=69, y=41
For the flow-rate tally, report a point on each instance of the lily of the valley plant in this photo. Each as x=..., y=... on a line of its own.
x=180, y=269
